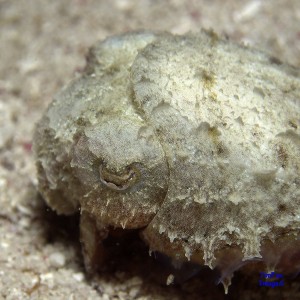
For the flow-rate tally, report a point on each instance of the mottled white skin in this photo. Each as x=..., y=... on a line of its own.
x=193, y=137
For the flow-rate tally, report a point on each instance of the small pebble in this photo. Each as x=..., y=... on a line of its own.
x=170, y=279
x=78, y=277
x=57, y=260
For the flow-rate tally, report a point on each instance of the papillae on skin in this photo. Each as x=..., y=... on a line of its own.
x=193, y=140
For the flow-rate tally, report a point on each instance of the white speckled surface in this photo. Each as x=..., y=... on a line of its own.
x=42, y=46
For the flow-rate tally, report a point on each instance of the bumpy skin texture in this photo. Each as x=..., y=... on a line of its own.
x=192, y=138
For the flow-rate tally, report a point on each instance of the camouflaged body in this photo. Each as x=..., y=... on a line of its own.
x=192, y=138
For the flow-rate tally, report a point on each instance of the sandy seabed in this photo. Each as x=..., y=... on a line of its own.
x=43, y=46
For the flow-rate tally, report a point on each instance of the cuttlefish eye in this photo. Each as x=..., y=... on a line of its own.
x=119, y=182
x=123, y=171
